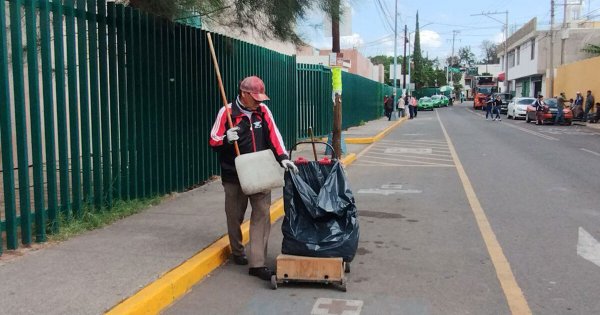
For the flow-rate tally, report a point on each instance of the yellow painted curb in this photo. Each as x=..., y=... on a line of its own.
x=379, y=136
x=159, y=294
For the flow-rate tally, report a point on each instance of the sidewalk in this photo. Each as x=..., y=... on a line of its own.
x=144, y=261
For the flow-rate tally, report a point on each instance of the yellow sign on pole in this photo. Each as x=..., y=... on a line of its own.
x=336, y=73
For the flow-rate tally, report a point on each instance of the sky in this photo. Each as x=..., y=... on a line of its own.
x=372, y=30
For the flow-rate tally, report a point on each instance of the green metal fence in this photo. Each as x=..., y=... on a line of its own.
x=315, y=105
x=121, y=104
x=120, y=108
x=362, y=99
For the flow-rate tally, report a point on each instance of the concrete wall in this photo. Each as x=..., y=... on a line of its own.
x=579, y=76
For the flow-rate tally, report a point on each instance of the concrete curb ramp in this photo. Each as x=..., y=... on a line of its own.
x=159, y=294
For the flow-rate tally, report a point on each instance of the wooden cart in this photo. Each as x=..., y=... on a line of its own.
x=292, y=268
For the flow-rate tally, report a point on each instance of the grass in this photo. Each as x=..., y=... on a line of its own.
x=92, y=218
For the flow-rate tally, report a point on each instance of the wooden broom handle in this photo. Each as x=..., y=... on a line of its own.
x=222, y=89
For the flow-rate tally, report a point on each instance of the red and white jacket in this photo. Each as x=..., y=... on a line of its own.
x=257, y=132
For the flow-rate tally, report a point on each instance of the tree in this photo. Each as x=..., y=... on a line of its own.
x=592, y=49
x=386, y=61
x=490, y=52
x=466, y=56
x=418, y=75
x=270, y=19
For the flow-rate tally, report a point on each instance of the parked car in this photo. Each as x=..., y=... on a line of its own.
x=439, y=101
x=506, y=98
x=517, y=107
x=445, y=100
x=550, y=114
x=425, y=103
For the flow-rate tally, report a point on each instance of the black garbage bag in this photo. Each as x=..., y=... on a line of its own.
x=320, y=213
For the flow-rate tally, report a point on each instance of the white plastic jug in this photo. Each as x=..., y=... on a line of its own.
x=258, y=172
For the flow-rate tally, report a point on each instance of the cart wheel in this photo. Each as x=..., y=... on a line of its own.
x=342, y=285
x=274, y=282
x=347, y=267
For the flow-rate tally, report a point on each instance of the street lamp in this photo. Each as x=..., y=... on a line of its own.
x=394, y=112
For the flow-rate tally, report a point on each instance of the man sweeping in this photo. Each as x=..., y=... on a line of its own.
x=254, y=130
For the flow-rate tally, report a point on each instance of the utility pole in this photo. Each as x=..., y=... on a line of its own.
x=336, y=140
x=394, y=112
x=551, y=74
x=505, y=23
x=454, y=32
x=404, y=59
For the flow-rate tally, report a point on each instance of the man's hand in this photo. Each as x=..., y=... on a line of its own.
x=232, y=134
x=289, y=166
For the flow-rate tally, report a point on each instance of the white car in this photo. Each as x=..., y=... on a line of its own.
x=517, y=108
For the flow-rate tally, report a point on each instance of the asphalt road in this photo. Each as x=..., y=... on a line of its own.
x=458, y=215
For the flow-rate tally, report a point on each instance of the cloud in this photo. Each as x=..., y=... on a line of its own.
x=351, y=41
x=430, y=39
x=498, y=38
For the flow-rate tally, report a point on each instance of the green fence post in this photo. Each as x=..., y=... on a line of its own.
x=61, y=114
x=105, y=199
x=139, y=132
x=131, y=99
x=94, y=102
x=73, y=108
x=185, y=106
x=153, y=124
x=145, y=107
x=48, y=111
x=20, y=120
x=161, y=82
x=84, y=99
x=113, y=188
x=35, y=122
x=177, y=107
x=170, y=100
x=122, y=30
x=7, y=145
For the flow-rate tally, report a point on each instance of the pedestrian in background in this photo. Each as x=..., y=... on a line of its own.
x=496, y=110
x=560, y=102
x=401, y=106
x=488, y=107
x=388, y=104
x=589, y=103
x=577, y=106
x=254, y=130
x=539, y=110
x=413, y=106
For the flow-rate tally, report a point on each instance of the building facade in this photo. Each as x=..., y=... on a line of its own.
x=532, y=54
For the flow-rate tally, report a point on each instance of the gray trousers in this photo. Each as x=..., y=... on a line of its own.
x=236, y=203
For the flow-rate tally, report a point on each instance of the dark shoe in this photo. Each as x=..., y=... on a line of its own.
x=261, y=272
x=240, y=260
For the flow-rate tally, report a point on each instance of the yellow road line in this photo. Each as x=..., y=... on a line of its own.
x=512, y=291
x=159, y=294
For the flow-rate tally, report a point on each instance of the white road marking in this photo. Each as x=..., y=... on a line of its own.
x=433, y=157
x=403, y=160
x=327, y=306
x=391, y=186
x=409, y=150
x=588, y=247
x=590, y=151
x=387, y=192
x=401, y=165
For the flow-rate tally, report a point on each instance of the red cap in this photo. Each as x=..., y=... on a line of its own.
x=256, y=87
